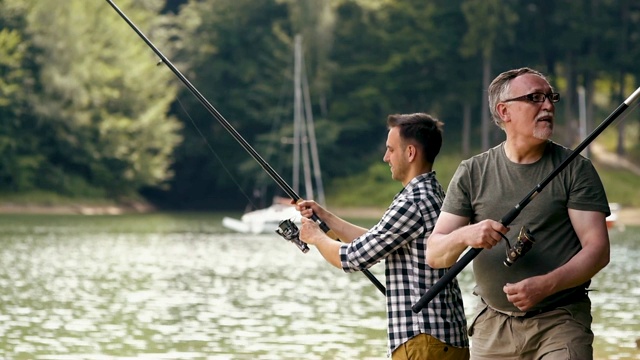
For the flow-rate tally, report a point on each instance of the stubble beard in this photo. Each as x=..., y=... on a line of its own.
x=395, y=173
x=543, y=131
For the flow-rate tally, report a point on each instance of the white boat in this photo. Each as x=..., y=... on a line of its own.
x=304, y=151
x=263, y=220
x=613, y=218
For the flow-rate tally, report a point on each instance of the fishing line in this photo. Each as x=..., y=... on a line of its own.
x=236, y=135
x=624, y=116
x=208, y=144
x=270, y=150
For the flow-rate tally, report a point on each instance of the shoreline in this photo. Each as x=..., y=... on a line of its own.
x=76, y=209
x=626, y=215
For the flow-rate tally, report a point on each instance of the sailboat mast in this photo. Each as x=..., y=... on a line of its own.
x=311, y=132
x=304, y=136
x=297, y=112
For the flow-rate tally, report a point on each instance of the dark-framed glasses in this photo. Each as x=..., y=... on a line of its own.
x=537, y=97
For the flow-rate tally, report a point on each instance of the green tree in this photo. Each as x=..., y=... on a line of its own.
x=400, y=56
x=489, y=23
x=239, y=54
x=19, y=156
x=625, y=58
x=357, y=100
x=102, y=98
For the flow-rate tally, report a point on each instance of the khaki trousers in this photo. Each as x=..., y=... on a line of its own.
x=426, y=347
x=560, y=334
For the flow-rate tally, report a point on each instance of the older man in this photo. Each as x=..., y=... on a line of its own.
x=537, y=308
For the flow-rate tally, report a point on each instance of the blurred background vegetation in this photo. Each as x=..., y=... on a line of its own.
x=88, y=114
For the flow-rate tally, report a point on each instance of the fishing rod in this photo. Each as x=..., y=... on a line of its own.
x=518, y=249
x=236, y=135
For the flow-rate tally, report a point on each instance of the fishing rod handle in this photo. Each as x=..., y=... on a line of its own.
x=462, y=263
x=334, y=236
x=445, y=279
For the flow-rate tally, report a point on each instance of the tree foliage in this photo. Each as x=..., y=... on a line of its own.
x=95, y=118
x=19, y=156
x=85, y=109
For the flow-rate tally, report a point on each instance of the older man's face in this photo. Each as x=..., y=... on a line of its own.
x=527, y=118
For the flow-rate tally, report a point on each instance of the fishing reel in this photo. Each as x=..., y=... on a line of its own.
x=523, y=244
x=289, y=231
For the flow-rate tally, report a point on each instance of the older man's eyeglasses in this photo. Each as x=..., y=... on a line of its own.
x=537, y=97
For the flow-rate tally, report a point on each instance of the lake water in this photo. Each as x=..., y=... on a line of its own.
x=179, y=286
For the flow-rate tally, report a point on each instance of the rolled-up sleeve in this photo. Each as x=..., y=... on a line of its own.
x=401, y=223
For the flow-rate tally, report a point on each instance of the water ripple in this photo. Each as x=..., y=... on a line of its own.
x=180, y=287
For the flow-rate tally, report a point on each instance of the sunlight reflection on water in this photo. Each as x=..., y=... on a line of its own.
x=172, y=287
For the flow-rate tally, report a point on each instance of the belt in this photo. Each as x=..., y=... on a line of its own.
x=529, y=314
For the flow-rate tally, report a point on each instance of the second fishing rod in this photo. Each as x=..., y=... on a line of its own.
x=285, y=230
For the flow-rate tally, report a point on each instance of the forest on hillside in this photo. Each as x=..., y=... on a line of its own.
x=88, y=110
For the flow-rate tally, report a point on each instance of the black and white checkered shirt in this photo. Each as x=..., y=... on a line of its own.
x=401, y=238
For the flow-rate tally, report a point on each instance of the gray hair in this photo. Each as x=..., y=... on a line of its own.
x=500, y=86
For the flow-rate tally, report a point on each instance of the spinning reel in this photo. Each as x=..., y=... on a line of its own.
x=523, y=244
x=289, y=231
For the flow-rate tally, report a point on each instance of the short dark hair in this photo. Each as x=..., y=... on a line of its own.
x=422, y=128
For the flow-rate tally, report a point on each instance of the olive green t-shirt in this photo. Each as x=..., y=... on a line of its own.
x=489, y=185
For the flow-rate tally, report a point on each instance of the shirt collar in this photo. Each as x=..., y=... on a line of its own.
x=420, y=178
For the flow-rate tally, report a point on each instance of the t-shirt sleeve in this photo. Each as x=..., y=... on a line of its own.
x=587, y=192
x=457, y=200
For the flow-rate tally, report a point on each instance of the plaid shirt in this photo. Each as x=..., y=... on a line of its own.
x=401, y=238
